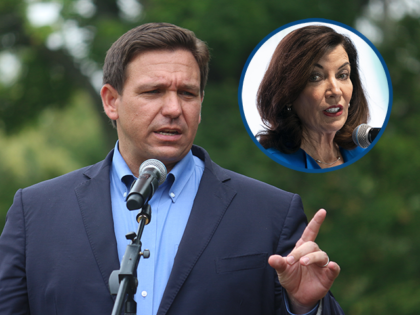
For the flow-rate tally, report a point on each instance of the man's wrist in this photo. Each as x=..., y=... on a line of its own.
x=300, y=310
x=294, y=308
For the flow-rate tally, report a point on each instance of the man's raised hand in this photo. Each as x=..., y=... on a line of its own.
x=306, y=273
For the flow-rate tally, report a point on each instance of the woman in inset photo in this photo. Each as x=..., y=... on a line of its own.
x=311, y=99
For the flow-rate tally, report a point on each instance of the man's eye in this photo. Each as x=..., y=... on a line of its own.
x=186, y=93
x=152, y=92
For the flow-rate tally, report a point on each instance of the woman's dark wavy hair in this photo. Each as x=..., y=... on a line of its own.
x=287, y=75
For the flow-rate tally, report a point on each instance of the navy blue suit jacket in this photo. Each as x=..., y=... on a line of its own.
x=58, y=247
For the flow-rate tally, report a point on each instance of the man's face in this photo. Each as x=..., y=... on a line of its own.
x=159, y=109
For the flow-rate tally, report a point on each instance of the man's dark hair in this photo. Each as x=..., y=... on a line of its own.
x=287, y=75
x=147, y=37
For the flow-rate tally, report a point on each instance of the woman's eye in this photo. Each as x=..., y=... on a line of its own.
x=344, y=76
x=314, y=77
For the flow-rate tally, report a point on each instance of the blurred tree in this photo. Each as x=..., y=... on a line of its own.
x=63, y=141
x=58, y=48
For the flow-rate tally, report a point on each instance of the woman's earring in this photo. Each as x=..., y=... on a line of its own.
x=289, y=108
x=349, y=105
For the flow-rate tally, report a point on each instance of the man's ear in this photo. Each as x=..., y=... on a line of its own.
x=202, y=99
x=110, y=99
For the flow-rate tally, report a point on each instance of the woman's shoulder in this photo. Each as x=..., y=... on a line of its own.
x=297, y=159
x=300, y=159
x=351, y=154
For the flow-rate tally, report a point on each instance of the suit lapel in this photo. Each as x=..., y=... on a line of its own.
x=211, y=202
x=94, y=199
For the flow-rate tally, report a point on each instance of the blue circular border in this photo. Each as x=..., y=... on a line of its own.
x=245, y=122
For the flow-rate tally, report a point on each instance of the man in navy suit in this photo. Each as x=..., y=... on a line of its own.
x=222, y=243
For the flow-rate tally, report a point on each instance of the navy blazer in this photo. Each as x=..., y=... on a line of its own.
x=58, y=247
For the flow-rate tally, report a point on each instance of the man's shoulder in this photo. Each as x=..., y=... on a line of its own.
x=247, y=184
x=239, y=182
x=70, y=179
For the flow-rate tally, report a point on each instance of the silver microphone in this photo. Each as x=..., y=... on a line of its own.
x=152, y=173
x=363, y=135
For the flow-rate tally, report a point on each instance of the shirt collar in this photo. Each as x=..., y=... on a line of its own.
x=177, y=177
x=181, y=173
x=120, y=168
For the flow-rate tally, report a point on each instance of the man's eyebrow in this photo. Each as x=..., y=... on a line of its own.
x=150, y=86
x=190, y=87
x=154, y=85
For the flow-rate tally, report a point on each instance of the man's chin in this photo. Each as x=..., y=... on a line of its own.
x=170, y=156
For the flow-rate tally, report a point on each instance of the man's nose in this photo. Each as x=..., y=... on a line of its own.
x=172, y=106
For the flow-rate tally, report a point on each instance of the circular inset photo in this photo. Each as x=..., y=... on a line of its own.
x=315, y=95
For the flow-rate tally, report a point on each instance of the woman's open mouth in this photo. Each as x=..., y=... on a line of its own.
x=334, y=111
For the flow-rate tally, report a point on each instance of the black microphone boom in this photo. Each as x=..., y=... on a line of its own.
x=152, y=173
x=364, y=135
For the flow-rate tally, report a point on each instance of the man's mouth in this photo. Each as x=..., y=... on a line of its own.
x=168, y=132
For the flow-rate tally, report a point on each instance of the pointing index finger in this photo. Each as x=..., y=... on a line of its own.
x=311, y=231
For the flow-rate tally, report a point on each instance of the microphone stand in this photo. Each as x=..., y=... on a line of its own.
x=124, y=282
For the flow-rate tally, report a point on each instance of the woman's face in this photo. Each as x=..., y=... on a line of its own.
x=324, y=102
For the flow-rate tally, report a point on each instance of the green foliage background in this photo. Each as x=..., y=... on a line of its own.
x=51, y=122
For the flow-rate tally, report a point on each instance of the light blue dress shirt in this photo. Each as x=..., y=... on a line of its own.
x=171, y=207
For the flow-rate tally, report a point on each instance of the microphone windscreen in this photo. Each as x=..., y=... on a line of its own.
x=156, y=164
x=360, y=135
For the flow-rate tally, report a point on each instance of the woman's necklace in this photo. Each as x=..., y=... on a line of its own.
x=328, y=164
x=337, y=149
x=338, y=159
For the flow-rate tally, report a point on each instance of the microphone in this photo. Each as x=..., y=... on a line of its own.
x=152, y=173
x=364, y=135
